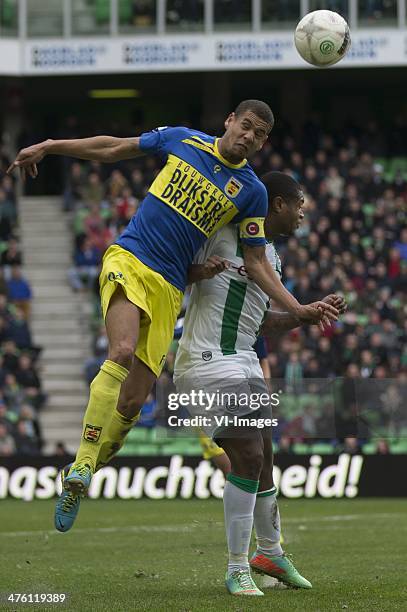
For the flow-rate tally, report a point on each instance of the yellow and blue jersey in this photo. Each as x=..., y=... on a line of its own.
x=195, y=194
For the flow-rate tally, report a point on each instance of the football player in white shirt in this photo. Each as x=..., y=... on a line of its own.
x=216, y=357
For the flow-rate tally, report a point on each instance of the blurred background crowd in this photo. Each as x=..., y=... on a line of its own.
x=344, y=387
x=353, y=241
x=21, y=396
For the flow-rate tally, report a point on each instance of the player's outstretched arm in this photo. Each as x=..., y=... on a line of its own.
x=260, y=270
x=97, y=148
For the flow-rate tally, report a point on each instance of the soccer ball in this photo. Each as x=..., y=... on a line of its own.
x=322, y=38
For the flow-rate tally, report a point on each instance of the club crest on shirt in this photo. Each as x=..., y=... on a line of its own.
x=233, y=187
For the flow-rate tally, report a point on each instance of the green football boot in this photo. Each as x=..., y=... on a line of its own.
x=279, y=567
x=240, y=582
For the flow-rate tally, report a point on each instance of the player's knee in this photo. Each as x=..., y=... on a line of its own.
x=122, y=354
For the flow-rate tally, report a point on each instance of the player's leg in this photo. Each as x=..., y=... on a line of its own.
x=212, y=452
x=269, y=557
x=122, y=326
x=222, y=462
x=156, y=331
x=266, y=513
x=133, y=394
x=239, y=498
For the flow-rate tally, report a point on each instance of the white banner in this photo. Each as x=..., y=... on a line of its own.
x=10, y=57
x=185, y=53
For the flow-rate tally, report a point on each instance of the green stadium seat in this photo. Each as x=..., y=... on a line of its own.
x=8, y=12
x=322, y=448
x=102, y=11
x=138, y=434
x=140, y=449
x=180, y=447
x=369, y=449
x=399, y=447
x=301, y=449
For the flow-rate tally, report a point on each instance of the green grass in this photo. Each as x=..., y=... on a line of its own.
x=170, y=556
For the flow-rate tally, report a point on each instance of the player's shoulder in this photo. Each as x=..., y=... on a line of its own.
x=181, y=132
x=251, y=178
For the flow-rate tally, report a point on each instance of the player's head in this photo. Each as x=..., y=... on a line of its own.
x=247, y=129
x=286, y=201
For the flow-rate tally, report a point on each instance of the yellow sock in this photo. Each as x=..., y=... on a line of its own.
x=114, y=437
x=104, y=395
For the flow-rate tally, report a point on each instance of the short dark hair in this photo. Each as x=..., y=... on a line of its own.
x=259, y=108
x=281, y=184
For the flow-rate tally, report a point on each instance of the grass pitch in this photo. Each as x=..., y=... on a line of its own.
x=171, y=556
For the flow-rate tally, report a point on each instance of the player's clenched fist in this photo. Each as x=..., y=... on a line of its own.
x=214, y=265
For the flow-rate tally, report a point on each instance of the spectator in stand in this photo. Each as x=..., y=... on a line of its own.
x=93, y=190
x=285, y=445
x=401, y=244
x=126, y=205
x=87, y=261
x=25, y=438
x=100, y=348
x=147, y=415
x=7, y=443
x=19, y=331
x=96, y=229
x=60, y=449
x=19, y=291
x=20, y=387
x=115, y=185
x=143, y=12
x=382, y=447
x=73, y=193
x=27, y=375
x=12, y=255
x=138, y=185
x=7, y=216
x=10, y=354
x=351, y=446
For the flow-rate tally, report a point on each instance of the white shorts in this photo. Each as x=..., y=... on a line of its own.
x=227, y=392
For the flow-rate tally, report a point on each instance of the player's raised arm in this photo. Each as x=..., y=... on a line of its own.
x=260, y=270
x=97, y=148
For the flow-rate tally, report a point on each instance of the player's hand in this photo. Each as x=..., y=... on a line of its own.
x=28, y=158
x=214, y=265
x=337, y=301
x=320, y=313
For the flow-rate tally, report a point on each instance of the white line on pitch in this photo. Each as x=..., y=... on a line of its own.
x=188, y=528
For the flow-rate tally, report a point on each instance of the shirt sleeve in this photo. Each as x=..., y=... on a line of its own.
x=161, y=140
x=252, y=225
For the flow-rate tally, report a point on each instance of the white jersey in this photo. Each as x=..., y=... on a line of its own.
x=224, y=313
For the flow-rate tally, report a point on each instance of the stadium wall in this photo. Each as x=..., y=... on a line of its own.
x=226, y=51
x=306, y=476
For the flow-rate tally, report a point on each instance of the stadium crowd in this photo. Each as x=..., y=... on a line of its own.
x=21, y=396
x=353, y=241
